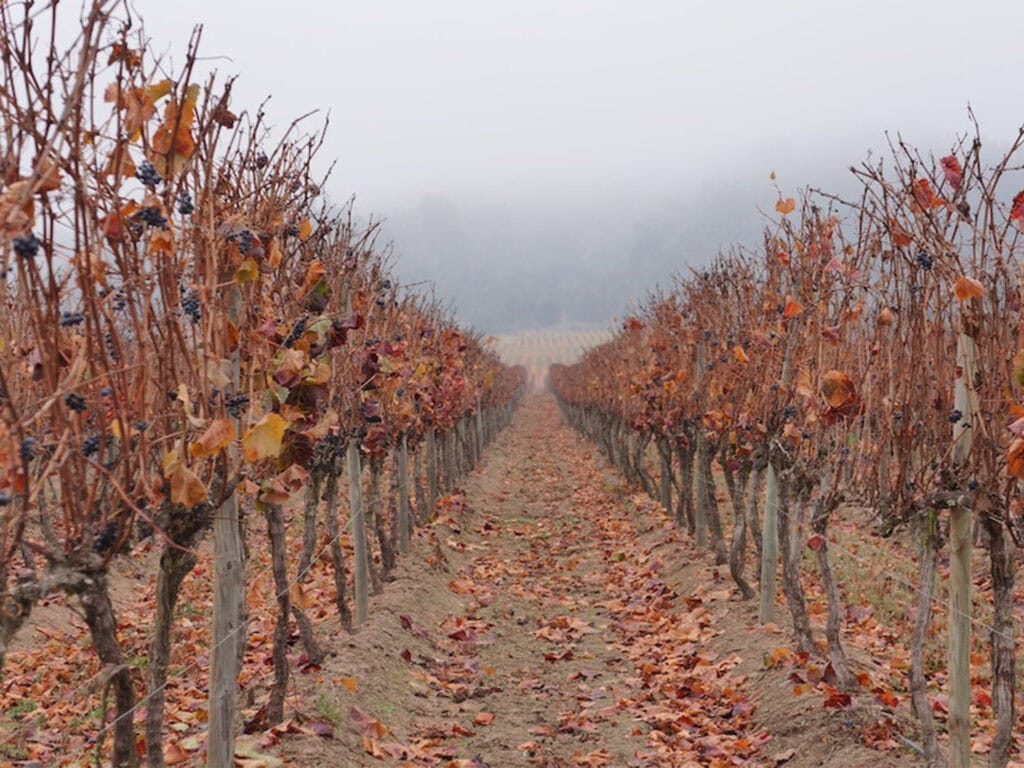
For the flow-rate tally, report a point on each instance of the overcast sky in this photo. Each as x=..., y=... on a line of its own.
x=477, y=97
x=550, y=160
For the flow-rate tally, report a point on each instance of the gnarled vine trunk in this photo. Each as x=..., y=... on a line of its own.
x=275, y=532
x=99, y=616
x=738, y=545
x=1001, y=640
x=791, y=586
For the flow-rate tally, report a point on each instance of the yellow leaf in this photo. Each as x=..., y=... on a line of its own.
x=158, y=90
x=216, y=438
x=120, y=431
x=785, y=206
x=968, y=288
x=305, y=229
x=263, y=440
x=171, y=461
x=247, y=271
x=186, y=487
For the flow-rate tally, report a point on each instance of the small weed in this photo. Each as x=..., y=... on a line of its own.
x=329, y=709
x=22, y=707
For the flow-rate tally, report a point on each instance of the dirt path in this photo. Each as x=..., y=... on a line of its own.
x=535, y=624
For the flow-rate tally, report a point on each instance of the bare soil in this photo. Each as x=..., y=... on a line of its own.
x=551, y=617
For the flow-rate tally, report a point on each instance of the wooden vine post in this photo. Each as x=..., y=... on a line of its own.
x=770, y=527
x=479, y=427
x=361, y=579
x=432, y=469
x=228, y=636
x=404, y=512
x=769, y=547
x=960, y=548
x=700, y=522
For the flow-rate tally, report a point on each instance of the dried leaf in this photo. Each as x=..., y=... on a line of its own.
x=968, y=288
x=264, y=439
x=785, y=206
x=216, y=438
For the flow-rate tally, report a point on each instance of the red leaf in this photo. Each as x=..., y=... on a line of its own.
x=952, y=171
x=1017, y=210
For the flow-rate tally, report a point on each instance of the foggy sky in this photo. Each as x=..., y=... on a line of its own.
x=598, y=107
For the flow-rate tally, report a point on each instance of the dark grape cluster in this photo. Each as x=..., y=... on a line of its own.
x=90, y=445
x=27, y=246
x=924, y=261
x=243, y=240
x=185, y=204
x=148, y=175
x=190, y=305
x=106, y=538
x=292, y=231
x=262, y=161
x=235, y=404
x=27, y=449
x=296, y=332
x=71, y=318
x=5, y=498
x=152, y=217
x=120, y=299
x=955, y=416
x=74, y=402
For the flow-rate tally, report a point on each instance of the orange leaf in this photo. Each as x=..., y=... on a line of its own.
x=174, y=754
x=924, y=196
x=900, y=236
x=348, y=682
x=967, y=288
x=300, y=596
x=792, y=308
x=1015, y=458
x=186, y=487
x=305, y=229
x=740, y=355
x=484, y=718
x=216, y=438
x=313, y=274
x=838, y=389
x=785, y=206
